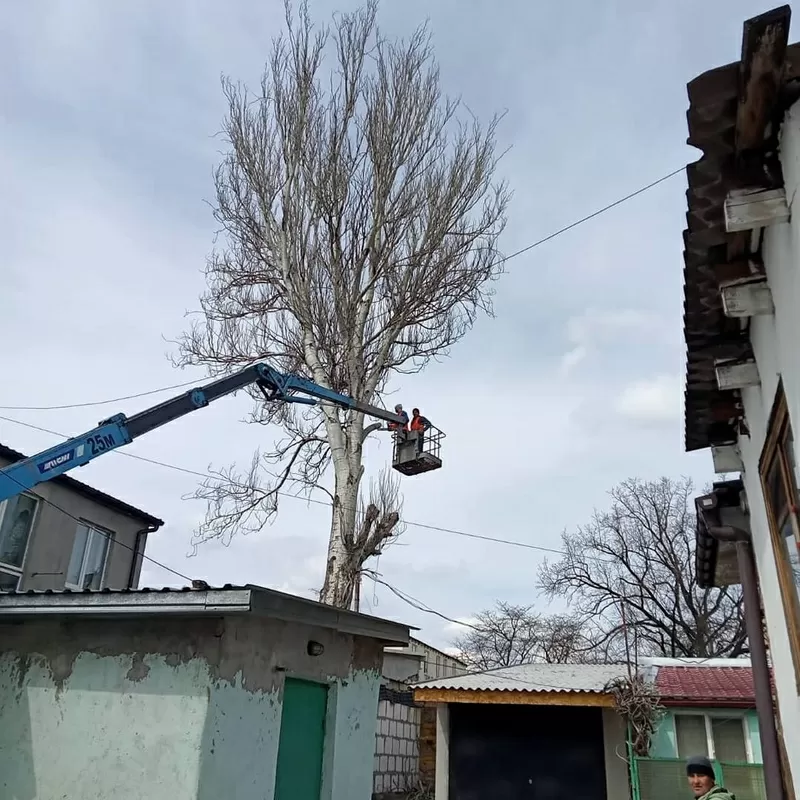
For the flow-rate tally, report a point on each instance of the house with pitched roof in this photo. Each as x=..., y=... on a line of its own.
x=709, y=708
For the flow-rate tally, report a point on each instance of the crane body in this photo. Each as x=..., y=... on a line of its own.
x=119, y=430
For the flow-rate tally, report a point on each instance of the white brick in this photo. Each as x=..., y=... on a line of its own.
x=380, y=784
x=393, y=728
x=385, y=727
x=395, y=747
x=392, y=764
x=384, y=765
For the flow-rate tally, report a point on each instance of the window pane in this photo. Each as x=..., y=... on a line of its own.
x=788, y=450
x=15, y=528
x=690, y=731
x=8, y=582
x=75, y=569
x=776, y=492
x=95, y=560
x=729, y=742
x=792, y=554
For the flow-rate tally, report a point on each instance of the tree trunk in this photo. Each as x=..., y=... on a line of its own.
x=342, y=565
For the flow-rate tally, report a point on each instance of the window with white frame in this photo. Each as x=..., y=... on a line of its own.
x=723, y=737
x=16, y=523
x=87, y=565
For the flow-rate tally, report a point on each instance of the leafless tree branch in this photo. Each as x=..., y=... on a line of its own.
x=639, y=556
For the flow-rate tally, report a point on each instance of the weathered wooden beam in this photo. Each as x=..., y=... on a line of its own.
x=746, y=209
x=751, y=299
x=741, y=269
x=726, y=458
x=513, y=697
x=736, y=374
x=764, y=42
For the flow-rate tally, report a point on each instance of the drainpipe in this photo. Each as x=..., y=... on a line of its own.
x=765, y=710
x=138, y=552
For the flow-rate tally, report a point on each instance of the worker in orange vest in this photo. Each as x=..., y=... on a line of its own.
x=419, y=424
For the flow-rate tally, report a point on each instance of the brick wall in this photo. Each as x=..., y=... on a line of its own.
x=396, y=743
x=427, y=745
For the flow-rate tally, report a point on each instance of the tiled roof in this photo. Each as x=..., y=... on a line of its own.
x=202, y=600
x=709, y=685
x=107, y=500
x=534, y=678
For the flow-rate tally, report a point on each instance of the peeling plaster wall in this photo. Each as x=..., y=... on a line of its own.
x=177, y=709
x=774, y=341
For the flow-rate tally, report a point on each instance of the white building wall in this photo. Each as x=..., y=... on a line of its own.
x=776, y=343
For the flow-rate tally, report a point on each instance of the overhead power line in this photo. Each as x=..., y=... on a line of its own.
x=100, y=402
x=503, y=260
x=207, y=475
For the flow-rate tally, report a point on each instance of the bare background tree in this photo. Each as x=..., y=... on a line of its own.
x=359, y=220
x=509, y=634
x=639, y=557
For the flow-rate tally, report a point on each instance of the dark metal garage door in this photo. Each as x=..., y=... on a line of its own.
x=500, y=752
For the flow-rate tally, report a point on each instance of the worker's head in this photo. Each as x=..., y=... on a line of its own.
x=398, y=408
x=700, y=773
x=415, y=412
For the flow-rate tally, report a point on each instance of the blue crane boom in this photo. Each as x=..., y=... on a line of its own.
x=120, y=430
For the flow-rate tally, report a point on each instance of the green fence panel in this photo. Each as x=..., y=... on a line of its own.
x=665, y=779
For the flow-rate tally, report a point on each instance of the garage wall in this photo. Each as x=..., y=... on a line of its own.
x=179, y=709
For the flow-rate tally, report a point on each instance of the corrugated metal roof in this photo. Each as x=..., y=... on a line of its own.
x=107, y=500
x=203, y=600
x=711, y=685
x=534, y=678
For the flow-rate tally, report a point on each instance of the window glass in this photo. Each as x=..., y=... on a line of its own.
x=76, y=560
x=690, y=732
x=777, y=491
x=788, y=451
x=729, y=743
x=95, y=560
x=88, y=559
x=16, y=521
x=792, y=554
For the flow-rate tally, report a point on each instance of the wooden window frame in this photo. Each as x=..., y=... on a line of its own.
x=778, y=432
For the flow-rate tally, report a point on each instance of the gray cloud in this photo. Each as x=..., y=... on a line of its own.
x=106, y=149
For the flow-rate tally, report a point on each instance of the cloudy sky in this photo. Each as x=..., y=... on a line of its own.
x=106, y=154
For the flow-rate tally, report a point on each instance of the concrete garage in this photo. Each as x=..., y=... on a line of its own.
x=544, y=731
x=239, y=692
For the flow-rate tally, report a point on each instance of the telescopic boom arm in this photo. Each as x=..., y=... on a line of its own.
x=120, y=430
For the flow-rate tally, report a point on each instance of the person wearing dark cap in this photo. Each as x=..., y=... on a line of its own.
x=703, y=781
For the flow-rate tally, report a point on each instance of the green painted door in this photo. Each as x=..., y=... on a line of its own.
x=299, y=774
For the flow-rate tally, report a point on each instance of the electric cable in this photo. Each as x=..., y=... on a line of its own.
x=206, y=475
x=502, y=260
x=100, y=402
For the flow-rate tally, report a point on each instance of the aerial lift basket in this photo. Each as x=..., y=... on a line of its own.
x=416, y=452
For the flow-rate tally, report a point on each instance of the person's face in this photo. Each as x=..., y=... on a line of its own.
x=700, y=784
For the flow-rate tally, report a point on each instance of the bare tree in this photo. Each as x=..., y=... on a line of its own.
x=359, y=216
x=509, y=634
x=631, y=571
